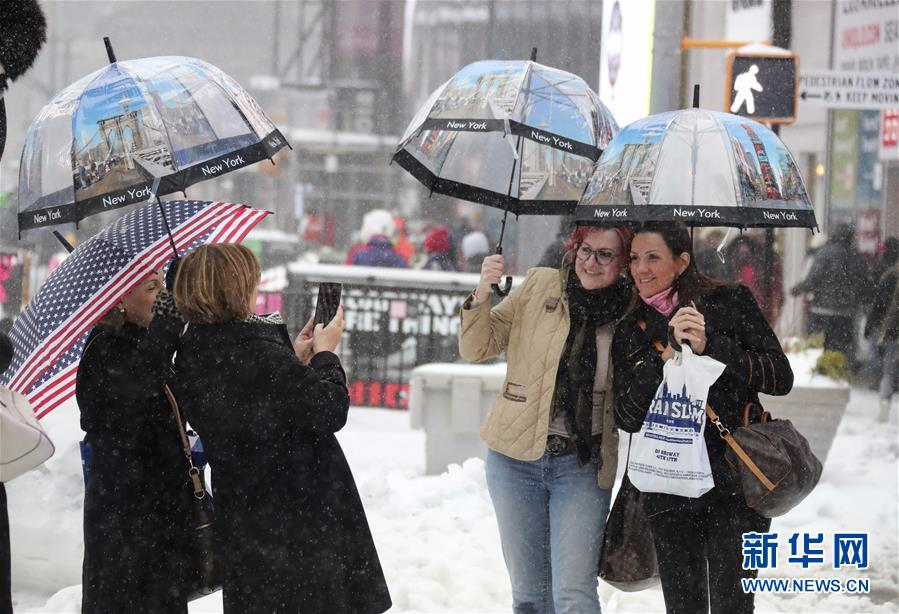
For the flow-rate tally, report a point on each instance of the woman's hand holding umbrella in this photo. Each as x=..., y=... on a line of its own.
x=689, y=325
x=491, y=273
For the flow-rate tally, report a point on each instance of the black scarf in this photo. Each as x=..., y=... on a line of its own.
x=573, y=394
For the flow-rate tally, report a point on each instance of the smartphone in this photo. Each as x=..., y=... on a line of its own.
x=327, y=303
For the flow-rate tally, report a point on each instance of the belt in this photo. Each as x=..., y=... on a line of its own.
x=556, y=445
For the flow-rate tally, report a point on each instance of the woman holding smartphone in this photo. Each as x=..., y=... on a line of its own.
x=290, y=527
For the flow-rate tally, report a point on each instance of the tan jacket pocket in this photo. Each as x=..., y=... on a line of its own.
x=515, y=392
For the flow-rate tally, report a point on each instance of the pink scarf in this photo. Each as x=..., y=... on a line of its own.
x=663, y=302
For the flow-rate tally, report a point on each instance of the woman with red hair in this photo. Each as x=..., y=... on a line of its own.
x=553, y=449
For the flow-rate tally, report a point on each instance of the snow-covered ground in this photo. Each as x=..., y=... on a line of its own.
x=437, y=537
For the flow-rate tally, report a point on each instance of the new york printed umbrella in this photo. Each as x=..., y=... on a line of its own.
x=516, y=135
x=50, y=333
x=134, y=130
x=700, y=167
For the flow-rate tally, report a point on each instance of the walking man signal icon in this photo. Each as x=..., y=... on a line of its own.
x=746, y=73
x=744, y=84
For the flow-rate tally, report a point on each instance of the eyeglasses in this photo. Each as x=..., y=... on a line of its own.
x=602, y=256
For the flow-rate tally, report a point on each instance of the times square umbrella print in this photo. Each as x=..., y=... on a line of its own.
x=50, y=333
x=134, y=130
x=516, y=135
x=700, y=167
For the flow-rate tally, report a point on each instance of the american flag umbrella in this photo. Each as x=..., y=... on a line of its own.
x=135, y=130
x=50, y=333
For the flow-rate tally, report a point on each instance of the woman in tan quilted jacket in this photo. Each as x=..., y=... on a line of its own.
x=551, y=437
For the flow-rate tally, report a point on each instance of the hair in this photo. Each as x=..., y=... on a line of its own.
x=214, y=283
x=691, y=285
x=114, y=319
x=581, y=231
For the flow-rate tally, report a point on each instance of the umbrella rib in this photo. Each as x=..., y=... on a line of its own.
x=525, y=79
x=665, y=134
x=162, y=122
x=728, y=147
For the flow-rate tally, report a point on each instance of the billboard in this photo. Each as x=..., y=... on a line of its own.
x=865, y=39
x=625, y=65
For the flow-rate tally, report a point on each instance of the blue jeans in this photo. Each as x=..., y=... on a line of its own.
x=551, y=515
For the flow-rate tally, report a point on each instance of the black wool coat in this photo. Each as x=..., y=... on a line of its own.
x=136, y=499
x=737, y=335
x=290, y=526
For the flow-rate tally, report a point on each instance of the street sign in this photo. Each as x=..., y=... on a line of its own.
x=849, y=90
x=762, y=87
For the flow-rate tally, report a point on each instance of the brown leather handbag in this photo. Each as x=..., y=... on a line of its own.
x=776, y=465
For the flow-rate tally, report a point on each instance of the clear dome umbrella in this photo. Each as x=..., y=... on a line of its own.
x=700, y=167
x=516, y=135
x=135, y=130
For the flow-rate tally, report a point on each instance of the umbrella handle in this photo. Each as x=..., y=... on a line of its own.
x=504, y=289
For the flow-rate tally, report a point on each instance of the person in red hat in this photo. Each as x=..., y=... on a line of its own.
x=436, y=246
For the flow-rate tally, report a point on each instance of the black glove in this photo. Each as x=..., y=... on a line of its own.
x=170, y=274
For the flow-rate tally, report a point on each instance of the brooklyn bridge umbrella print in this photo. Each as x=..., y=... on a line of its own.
x=516, y=135
x=50, y=333
x=136, y=129
x=699, y=167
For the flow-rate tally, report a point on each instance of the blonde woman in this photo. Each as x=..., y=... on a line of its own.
x=291, y=531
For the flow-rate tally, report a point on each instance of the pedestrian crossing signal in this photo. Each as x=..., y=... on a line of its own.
x=762, y=87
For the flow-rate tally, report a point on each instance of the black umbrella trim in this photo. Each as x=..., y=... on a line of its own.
x=744, y=217
x=68, y=212
x=518, y=129
x=481, y=196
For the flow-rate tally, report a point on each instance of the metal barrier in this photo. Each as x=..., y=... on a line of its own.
x=396, y=319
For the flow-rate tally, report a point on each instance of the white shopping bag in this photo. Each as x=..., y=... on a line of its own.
x=669, y=455
x=23, y=443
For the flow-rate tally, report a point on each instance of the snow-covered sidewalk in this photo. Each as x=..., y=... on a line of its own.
x=437, y=536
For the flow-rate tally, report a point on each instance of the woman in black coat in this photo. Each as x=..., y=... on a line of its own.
x=136, y=500
x=291, y=531
x=698, y=541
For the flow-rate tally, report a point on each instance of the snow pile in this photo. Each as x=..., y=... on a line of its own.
x=437, y=536
x=802, y=363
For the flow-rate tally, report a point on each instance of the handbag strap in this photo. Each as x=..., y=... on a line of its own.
x=193, y=472
x=656, y=344
x=724, y=432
